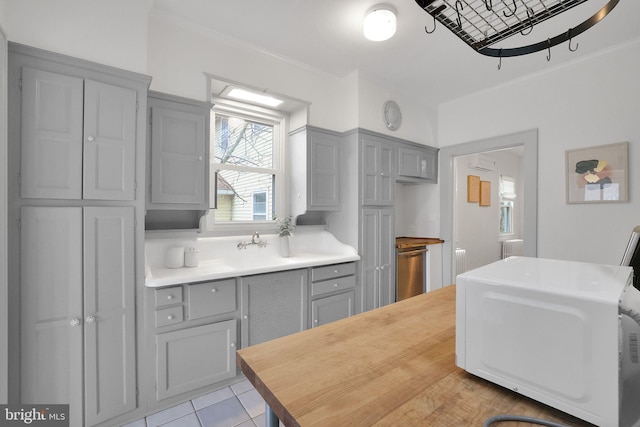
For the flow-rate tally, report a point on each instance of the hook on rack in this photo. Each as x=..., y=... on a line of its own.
x=458, y=2
x=530, y=14
x=570, y=39
x=489, y=5
x=549, y=49
x=500, y=59
x=434, y=27
x=513, y=12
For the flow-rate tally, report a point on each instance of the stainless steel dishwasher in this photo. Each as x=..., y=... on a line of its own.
x=410, y=262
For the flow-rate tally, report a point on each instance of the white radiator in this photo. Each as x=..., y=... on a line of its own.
x=512, y=247
x=461, y=261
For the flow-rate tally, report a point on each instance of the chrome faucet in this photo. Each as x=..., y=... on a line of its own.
x=255, y=240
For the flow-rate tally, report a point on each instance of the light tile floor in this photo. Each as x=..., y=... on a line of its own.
x=238, y=405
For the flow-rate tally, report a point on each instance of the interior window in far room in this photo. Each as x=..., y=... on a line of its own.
x=507, y=195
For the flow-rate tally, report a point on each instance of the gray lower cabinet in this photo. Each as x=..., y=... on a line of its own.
x=195, y=333
x=195, y=357
x=335, y=307
x=378, y=257
x=332, y=293
x=273, y=305
x=77, y=326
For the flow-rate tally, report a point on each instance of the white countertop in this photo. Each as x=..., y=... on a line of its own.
x=220, y=258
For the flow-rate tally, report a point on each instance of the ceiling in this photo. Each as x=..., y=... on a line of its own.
x=327, y=35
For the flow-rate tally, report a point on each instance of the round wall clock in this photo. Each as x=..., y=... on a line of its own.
x=392, y=115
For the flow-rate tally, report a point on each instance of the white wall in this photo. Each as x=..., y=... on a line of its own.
x=110, y=32
x=586, y=103
x=179, y=55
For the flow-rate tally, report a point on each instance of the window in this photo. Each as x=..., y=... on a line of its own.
x=246, y=157
x=260, y=205
x=507, y=194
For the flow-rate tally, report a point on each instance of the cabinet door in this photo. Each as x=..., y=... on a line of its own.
x=51, y=326
x=387, y=182
x=51, y=135
x=195, y=357
x=386, y=257
x=109, y=142
x=377, y=172
x=378, y=258
x=369, y=259
x=177, y=157
x=329, y=309
x=418, y=163
x=410, y=162
x=273, y=305
x=109, y=312
x=324, y=171
x=430, y=158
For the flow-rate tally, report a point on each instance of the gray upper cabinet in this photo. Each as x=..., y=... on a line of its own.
x=315, y=170
x=377, y=179
x=179, y=147
x=417, y=164
x=78, y=138
x=78, y=308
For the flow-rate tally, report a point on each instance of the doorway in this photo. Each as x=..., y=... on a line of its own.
x=528, y=140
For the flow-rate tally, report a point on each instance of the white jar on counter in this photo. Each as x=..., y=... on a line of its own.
x=191, y=257
x=174, y=257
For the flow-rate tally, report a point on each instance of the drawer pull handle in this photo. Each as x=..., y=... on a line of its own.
x=170, y=317
x=335, y=285
x=213, y=290
x=90, y=320
x=75, y=322
x=169, y=297
x=336, y=271
x=245, y=317
x=233, y=344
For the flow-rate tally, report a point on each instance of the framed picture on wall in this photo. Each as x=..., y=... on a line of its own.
x=485, y=193
x=473, y=188
x=597, y=174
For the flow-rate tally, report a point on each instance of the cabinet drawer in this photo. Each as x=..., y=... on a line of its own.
x=168, y=296
x=326, y=286
x=211, y=298
x=169, y=316
x=332, y=271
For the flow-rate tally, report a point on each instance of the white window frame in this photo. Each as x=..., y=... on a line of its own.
x=253, y=202
x=276, y=119
x=507, y=199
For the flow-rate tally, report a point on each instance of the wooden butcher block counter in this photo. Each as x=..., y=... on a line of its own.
x=412, y=242
x=393, y=366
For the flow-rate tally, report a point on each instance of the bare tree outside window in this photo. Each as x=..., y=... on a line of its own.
x=243, y=153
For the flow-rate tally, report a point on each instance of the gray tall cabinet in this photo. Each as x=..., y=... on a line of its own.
x=76, y=172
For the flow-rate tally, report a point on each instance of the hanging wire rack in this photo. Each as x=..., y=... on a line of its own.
x=483, y=23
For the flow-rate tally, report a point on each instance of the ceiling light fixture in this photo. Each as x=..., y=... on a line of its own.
x=253, y=97
x=380, y=22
